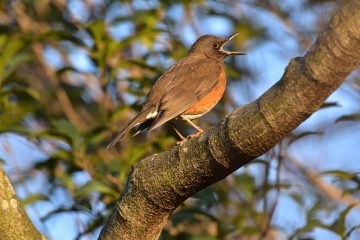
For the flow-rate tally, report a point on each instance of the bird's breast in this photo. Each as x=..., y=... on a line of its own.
x=209, y=101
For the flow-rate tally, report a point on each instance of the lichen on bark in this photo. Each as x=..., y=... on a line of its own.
x=14, y=222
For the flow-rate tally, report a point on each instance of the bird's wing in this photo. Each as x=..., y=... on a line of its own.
x=188, y=84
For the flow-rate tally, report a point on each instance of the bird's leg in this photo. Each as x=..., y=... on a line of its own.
x=198, y=129
x=179, y=133
x=183, y=139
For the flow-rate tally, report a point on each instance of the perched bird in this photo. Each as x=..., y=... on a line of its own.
x=188, y=89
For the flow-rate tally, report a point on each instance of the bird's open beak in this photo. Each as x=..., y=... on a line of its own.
x=230, y=52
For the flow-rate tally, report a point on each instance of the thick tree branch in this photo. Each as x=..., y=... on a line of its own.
x=14, y=222
x=159, y=183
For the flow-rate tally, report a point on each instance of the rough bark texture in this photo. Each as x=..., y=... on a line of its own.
x=14, y=222
x=159, y=183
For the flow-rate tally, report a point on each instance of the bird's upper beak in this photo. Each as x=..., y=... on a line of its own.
x=230, y=52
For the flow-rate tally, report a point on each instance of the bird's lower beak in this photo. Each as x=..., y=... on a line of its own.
x=230, y=52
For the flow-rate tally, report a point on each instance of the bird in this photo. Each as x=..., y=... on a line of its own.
x=188, y=89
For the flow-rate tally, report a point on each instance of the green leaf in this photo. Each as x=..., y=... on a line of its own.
x=183, y=216
x=206, y=197
x=298, y=198
x=95, y=186
x=310, y=225
x=15, y=62
x=57, y=211
x=23, y=94
x=97, y=30
x=350, y=117
x=66, y=180
x=60, y=35
x=136, y=153
x=246, y=183
x=258, y=161
x=329, y=104
x=339, y=225
x=338, y=173
x=249, y=230
x=68, y=130
x=66, y=69
x=97, y=134
x=3, y=39
x=312, y=212
x=118, y=114
x=91, y=227
x=143, y=64
x=294, y=137
x=8, y=54
x=352, y=229
x=34, y=198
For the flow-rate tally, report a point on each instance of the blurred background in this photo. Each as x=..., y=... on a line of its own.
x=74, y=72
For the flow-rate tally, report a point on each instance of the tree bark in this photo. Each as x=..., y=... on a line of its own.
x=159, y=183
x=14, y=222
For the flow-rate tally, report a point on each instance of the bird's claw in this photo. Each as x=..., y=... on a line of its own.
x=182, y=141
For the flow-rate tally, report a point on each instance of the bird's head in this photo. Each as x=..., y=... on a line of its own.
x=213, y=46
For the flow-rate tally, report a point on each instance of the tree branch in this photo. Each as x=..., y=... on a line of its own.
x=14, y=222
x=159, y=183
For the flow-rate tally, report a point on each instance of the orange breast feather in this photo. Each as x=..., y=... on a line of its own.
x=210, y=100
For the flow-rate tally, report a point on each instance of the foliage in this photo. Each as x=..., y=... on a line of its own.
x=72, y=73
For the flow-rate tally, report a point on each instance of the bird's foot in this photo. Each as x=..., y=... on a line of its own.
x=182, y=141
x=194, y=135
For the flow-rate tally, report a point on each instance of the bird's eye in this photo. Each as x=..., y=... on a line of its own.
x=215, y=45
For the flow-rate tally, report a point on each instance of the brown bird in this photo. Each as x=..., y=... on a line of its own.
x=188, y=89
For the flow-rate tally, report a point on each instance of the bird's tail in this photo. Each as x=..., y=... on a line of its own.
x=140, y=118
